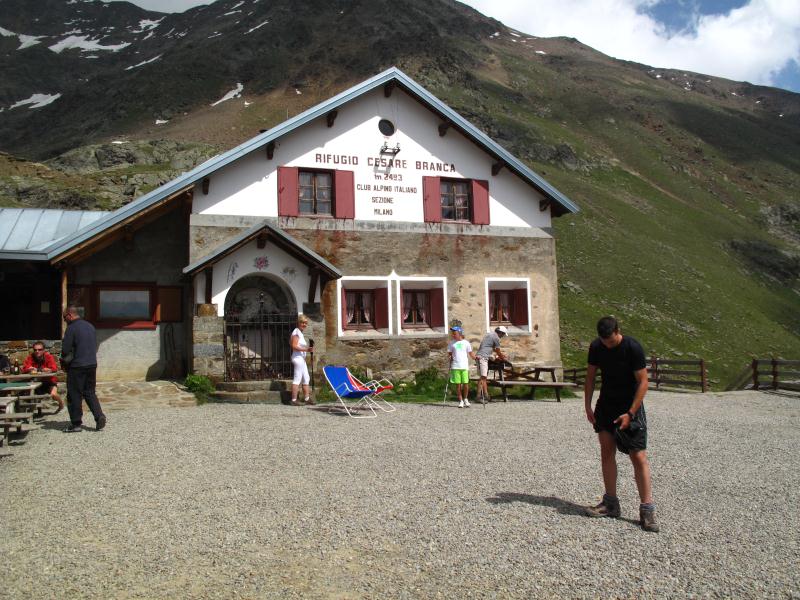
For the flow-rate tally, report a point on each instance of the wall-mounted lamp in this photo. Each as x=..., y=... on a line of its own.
x=386, y=150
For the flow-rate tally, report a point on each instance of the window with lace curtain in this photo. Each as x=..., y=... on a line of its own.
x=360, y=309
x=500, y=307
x=415, y=308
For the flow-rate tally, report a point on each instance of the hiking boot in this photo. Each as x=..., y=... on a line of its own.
x=647, y=519
x=101, y=422
x=606, y=508
x=73, y=428
x=466, y=402
x=309, y=401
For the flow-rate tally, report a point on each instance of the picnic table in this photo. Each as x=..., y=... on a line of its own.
x=39, y=375
x=507, y=375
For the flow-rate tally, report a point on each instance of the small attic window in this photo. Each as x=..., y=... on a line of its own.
x=386, y=127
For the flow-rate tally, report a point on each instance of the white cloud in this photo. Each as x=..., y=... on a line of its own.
x=752, y=43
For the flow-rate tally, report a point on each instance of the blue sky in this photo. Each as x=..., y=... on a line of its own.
x=744, y=40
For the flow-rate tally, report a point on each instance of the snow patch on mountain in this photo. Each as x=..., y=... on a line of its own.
x=84, y=43
x=234, y=93
x=36, y=101
x=260, y=25
x=144, y=62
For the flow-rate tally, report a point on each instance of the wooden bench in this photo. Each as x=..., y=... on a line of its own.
x=555, y=385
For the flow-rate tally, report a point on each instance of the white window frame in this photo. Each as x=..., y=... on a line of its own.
x=420, y=283
x=364, y=282
x=507, y=283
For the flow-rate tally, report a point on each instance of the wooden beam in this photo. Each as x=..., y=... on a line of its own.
x=544, y=204
x=270, y=150
x=497, y=167
x=209, y=273
x=206, y=185
x=443, y=127
x=331, y=117
x=312, y=286
x=388, y=89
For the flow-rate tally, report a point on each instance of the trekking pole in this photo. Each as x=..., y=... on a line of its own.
x=446, y=385
x=311, y=345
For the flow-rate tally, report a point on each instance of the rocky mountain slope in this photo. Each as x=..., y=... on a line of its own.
x=688, y=184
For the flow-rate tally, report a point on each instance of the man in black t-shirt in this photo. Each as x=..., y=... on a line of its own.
x=618, y=417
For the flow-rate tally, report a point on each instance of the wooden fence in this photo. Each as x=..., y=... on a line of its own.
x=668, y=372
x=769, y=373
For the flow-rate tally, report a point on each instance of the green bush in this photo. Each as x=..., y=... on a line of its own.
x=201, y=386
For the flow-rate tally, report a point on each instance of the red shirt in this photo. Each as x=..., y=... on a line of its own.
x=47, y=362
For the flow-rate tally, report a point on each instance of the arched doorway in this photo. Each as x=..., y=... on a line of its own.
x=260, y=314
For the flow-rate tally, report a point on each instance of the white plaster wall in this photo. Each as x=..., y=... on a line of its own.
x=249, y=185
x=241, y=263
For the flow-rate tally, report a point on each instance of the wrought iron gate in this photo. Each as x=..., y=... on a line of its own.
x=258, y=348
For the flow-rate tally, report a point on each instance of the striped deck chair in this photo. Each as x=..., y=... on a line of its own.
x=347, y=390
x=378, y=386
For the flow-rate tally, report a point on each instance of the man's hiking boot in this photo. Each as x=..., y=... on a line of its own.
x=606, y=508
x=647, y=519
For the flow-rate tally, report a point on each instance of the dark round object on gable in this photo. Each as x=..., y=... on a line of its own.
x=386, y=127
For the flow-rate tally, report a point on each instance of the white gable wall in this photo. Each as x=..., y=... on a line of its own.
x=242, y=263
x=248, y=186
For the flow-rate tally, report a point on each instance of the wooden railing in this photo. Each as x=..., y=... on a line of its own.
x=661, y=371
x=775, y=374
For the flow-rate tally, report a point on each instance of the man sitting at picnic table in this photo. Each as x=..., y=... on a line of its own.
x=490, y=343
x=41, y=361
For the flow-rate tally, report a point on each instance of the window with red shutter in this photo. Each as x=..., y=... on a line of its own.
x=431, y=199
x=480, y=202
x=345, y=205
x=437, y=308
x=520, y=307
x=288, y=205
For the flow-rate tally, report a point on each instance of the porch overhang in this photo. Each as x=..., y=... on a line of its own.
x=266, y=232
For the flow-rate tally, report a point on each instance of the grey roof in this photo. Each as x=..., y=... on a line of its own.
x=29, y=231
x=281, y=238
x=393, y=76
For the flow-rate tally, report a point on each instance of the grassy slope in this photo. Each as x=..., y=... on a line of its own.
x=667, y=193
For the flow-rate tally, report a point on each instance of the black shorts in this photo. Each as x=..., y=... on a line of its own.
x=45, y=387
x=633, y=438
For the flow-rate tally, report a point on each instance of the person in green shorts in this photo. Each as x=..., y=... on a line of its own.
x=460, y=351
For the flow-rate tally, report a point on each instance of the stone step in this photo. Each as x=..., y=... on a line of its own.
x=253, y=397
x=255, y=386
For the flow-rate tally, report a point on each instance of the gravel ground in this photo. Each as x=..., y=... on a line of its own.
x=221, y=501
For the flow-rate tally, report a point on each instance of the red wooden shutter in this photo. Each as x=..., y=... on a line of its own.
x=344, y=203
x=437, y=307
x=343, y=300
x=288, y=193
x=381, y=296
x=432, y=199
x=480, y=202
x=519, y=310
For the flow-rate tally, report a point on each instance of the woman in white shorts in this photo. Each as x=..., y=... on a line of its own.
x=299, y=349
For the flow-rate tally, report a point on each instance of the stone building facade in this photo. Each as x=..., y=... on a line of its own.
x=381, y=214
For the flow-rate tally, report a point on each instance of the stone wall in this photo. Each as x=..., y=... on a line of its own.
x=208, y=350
x=465, y=255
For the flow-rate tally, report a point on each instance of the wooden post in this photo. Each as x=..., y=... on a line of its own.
x=703, y=376
x=654, y=368
x=208, y=272
x=755, y=374
x=774, y=374
x=64, y=299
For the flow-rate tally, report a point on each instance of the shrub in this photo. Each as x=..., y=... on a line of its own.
x=201, y=386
